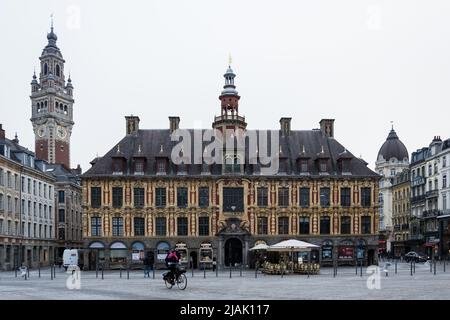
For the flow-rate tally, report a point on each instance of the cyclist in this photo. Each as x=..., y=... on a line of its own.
x=172, y=260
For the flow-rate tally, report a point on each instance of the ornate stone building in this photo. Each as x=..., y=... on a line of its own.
x=392, y=158
x=401, y=212
x=137, y=201
x=27, y=223
x=52, y=118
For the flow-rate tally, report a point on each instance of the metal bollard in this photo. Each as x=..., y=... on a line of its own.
x=120, y=272
x=256, y=272
x=39, y=269
x=153, y=271
x=96, y=271
x=28, y=272
x=102, y=273
x=356, y=267
x=15, y=271
x=217, y=270
x=25, y=276
x=204, y=271
x=434, y=267
x=54, y=271
x=411, y=268
x=431, y=267
x=128, y=273
x=51, y=272
x=360, y=269
x=395, y=266
x=230, y=270
x=444, y=265
x=241, y=271
x=192, y=269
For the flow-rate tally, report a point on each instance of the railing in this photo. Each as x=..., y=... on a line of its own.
x=432, y=194
x=229, y=117
x=431, y=213
x=417, y=199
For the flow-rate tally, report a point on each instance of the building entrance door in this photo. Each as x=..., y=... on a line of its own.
x=233, y=251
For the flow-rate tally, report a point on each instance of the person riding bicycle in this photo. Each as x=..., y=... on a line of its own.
x=172, y=260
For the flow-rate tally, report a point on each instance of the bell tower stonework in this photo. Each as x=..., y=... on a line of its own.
x=52, y=106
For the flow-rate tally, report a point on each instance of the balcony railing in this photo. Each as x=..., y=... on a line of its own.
x=229, y=117
x=431, y=213
x=417, y=199
x=432, y=194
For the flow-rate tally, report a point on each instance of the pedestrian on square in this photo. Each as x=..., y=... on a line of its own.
x=214, y=264
x=146, y=267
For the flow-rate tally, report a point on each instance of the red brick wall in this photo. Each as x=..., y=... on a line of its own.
x=62, y=155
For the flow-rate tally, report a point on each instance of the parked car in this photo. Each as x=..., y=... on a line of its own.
x=414, y=256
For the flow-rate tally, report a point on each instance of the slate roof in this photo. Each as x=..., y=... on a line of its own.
x=393, y=148
x=292, y=146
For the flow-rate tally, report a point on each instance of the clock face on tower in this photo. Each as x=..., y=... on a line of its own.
x=41, y=131
x=61, y=132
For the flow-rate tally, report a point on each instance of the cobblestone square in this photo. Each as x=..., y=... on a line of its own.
x=423, y=285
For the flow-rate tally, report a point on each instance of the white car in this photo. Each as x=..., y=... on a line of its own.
x=72, y=258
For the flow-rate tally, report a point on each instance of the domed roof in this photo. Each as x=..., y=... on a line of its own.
x=393, y=148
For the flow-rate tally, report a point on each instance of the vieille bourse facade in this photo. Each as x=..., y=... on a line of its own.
x=136, y=200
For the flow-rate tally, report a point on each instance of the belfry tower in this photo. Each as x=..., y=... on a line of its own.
x=52, y=106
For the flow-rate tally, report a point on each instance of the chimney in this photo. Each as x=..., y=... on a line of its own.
x=174, y=123
x=327, y=127
x=2, y=132
x=132, y=124
x=285, y=126
x=78, y=170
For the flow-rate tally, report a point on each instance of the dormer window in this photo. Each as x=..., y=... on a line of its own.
x=205, y=168
x=139, y=167
x=118, y=166
x=181, y=169
x=161, y=166
x=323, y=166
x=232, y=164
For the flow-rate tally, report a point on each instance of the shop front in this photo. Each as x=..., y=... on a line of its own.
x=137, y=255
x=206, y=255
x=182, y=250
x=326, y=257
x=118, y=255
x=96, y=255
x=361, y=251
x=162, y=249
x=346, y=253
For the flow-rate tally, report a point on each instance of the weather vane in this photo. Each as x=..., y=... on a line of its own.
x=51, y=20
x=392, y=125
x=229, y=59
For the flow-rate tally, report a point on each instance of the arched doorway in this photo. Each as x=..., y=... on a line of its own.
x=233, y=251
x=194, y=259
x=370, y=257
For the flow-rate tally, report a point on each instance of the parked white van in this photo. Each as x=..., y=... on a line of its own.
x=72, y=257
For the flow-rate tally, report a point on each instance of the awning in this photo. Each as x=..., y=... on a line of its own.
x=430, y=244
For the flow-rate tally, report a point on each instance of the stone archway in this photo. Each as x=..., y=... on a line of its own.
x=233, y=252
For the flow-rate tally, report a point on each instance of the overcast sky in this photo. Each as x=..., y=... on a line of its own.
x=364, y=63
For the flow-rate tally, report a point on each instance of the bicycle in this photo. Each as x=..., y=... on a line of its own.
x=180, y=278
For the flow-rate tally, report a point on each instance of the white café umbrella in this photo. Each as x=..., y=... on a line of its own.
x=260, y=246
x=292, y=245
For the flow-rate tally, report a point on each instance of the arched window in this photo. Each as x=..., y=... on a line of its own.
x=58, y=71
x=45, y=69
x=45, y=103
x=65, y=109
x=56, y=105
